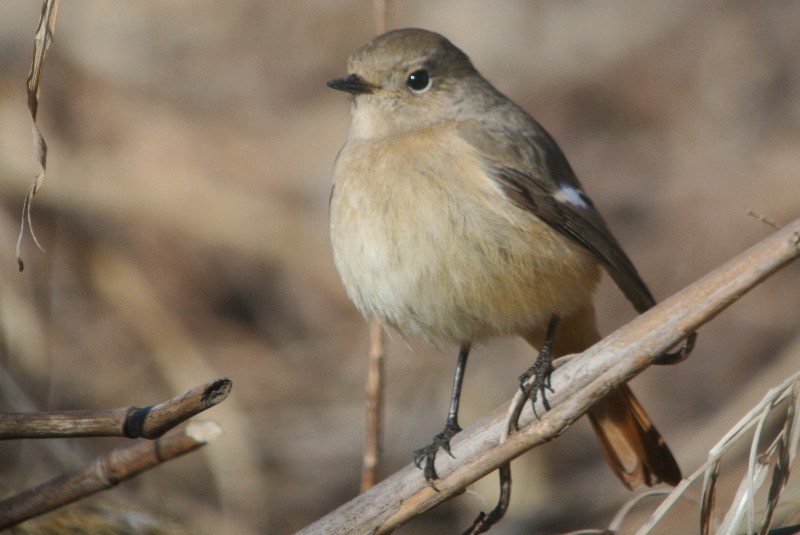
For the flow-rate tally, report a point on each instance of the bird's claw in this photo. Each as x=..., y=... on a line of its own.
x=425, y=457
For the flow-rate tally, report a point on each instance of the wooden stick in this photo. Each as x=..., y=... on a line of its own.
x=373, y=428
x=578, y=384
x=106, y=472
x=130, y=422
x=380, y=10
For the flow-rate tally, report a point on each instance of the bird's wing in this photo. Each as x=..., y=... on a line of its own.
x=534, y=173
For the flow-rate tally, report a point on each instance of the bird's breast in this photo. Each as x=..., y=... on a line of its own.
x=426, y=240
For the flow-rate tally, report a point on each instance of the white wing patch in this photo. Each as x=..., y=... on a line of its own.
x=572, y=195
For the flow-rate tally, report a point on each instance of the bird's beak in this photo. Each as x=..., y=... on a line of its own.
x=352, y=84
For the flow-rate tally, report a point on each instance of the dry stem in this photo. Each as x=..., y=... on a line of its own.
x=374, y=412
x=130, y=422
x=106, y=472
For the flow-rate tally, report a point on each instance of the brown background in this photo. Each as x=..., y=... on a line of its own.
x=185, y=221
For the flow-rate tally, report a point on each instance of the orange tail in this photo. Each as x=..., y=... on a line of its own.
x=630, y=442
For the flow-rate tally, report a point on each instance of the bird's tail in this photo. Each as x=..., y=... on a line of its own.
x=634, y=449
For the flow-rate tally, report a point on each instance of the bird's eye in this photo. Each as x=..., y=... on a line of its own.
x=419, y=81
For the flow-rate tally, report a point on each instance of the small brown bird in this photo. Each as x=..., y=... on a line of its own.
x=455, y=217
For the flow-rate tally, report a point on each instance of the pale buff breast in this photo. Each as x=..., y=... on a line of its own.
x=422, y=238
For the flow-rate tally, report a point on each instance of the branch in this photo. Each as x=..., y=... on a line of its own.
x=373, y=427
x=106, y=472
x=578, y=384
x=129, y=422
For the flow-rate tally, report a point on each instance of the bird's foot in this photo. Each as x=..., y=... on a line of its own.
x=424, y=457
x=540, y=372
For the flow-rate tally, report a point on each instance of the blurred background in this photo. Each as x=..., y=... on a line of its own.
x=184, y=217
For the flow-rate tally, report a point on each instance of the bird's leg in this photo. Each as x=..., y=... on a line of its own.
x=541, y=370
x=424, y=457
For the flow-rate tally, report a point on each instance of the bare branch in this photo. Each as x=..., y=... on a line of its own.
x=130, y=422
x=373, y=429
x=106, y=472
x=380, y=10
x=578, y=384
x=374, y=412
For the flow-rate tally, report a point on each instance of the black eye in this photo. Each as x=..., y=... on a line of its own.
x=419, y=81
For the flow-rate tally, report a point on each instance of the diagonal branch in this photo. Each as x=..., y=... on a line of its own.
x=578, y=384
x=106, y=472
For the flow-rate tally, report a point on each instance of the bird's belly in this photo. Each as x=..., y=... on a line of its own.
x=446, y=263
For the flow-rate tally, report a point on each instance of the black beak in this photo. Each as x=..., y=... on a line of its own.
x=352, y=84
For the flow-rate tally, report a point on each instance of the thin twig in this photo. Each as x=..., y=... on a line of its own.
x=625, y=510
x=380, y=10
x=373, y=428
x=374, y=413
x=130, y=422
x=106, y=472
x=577, y=385
x=763, y=219
x=484, y=521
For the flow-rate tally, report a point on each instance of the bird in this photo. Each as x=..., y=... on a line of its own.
x=455, y=218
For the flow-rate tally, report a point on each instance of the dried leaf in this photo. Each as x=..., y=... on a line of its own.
x=707, y=504
x=759, y=465
x=41, y=42
x=780, y=474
